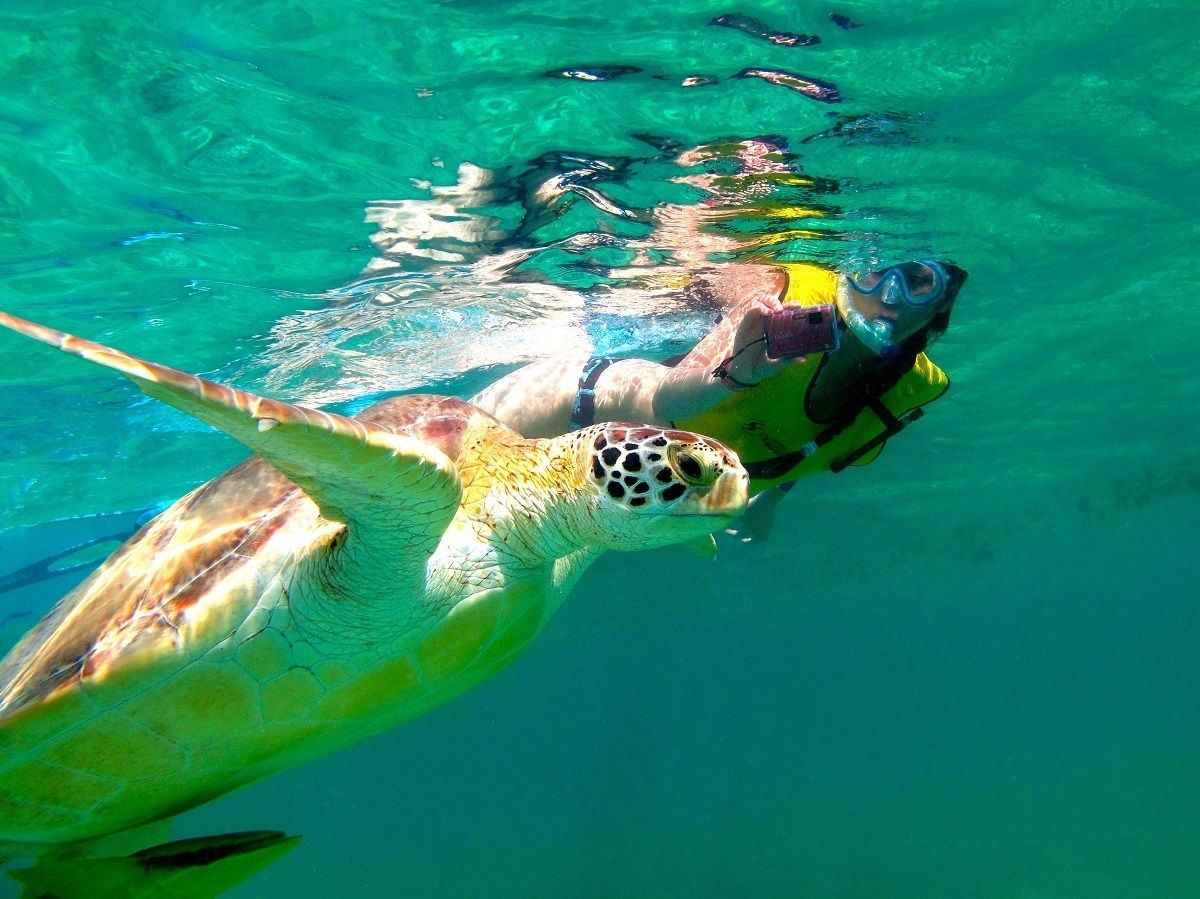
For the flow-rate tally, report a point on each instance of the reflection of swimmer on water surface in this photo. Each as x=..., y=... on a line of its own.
x=572, y=209
x=529, y=259
x=752, y=193
x=755, y=28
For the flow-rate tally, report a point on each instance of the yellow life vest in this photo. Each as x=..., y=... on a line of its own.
x=771, y=421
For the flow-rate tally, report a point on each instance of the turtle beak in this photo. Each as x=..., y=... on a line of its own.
x=727, y=496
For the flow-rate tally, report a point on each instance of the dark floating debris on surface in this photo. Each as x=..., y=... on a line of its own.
x=813, y=88
x=843, y=22
x=758, y=29
x=880, y=129
x=668, y=146
x=169, y=211
x=592, y=73
x=565, y=161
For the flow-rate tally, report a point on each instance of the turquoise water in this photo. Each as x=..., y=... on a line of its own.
x=968, y=669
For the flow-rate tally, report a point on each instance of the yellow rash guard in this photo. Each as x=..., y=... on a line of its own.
x=770, y=426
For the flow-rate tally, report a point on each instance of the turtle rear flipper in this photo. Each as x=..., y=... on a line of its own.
x=397, y=494
x=188, y=869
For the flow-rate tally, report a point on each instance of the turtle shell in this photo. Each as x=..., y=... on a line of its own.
x=164, y=622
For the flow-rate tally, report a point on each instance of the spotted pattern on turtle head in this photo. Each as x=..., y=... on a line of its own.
x=645, y=467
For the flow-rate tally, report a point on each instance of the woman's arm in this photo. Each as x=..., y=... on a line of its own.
x=736, y=347
x=537, y=399
x=638, y=390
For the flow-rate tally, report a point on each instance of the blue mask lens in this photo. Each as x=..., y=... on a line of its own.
x=913, y=283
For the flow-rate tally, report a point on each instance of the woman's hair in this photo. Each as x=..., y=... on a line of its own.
x=940, y=322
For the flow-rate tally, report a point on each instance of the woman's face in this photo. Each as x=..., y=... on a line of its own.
x=906, y=320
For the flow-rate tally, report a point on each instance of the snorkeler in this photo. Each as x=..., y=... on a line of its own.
x=813, y=370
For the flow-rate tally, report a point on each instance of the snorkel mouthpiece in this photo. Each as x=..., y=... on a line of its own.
x=877, y=334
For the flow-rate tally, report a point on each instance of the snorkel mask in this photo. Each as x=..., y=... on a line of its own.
x=916, y=285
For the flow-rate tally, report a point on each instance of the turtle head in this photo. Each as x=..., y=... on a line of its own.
x=658, y=486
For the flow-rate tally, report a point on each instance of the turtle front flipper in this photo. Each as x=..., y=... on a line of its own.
x=396, y=494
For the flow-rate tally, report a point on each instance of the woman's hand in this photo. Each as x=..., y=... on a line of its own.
x=746, y=361
x=737, y=346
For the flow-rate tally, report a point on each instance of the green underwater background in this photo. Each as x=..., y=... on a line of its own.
x=968, y=669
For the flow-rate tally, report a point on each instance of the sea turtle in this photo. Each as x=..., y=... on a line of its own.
x=353, y=574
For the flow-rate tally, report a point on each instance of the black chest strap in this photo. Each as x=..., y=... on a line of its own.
x=893, y=425
x=779, y=466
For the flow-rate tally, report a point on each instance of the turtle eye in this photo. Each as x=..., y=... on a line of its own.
x=690, y=467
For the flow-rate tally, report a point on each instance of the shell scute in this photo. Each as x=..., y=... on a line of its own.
x=199, y=704
x=112, y=746
x=265, y=655
x=30, y=726
x=38, y=817
x=42, y=783
x=518, y=626
x=291, y=696
x=304, y=654
x=396, y=679
x=332, y=672
x=442, y=422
